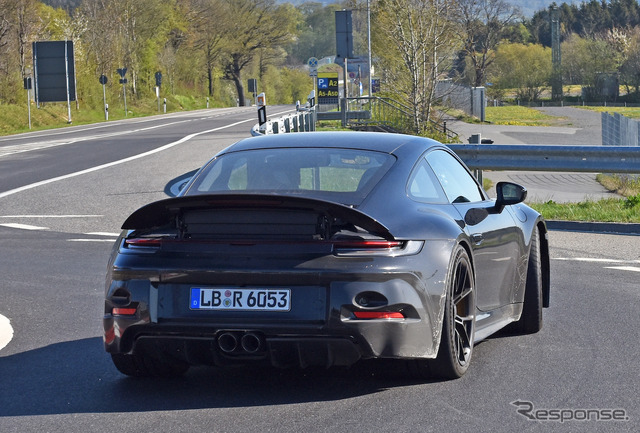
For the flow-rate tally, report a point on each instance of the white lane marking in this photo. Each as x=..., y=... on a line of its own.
x=121, y=161
x=28, y=147
x=6, y=331
x=115, y=235
x=594, y=260
x=624, y=268
x=23, y=226
x=51, y=216
x=204, y=114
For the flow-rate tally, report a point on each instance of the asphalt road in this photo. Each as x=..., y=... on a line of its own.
x=55, y=376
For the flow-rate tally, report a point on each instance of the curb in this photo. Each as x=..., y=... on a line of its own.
x=595, y=227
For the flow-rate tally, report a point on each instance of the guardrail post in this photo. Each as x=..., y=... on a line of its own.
x=312, y=117
x=476, y=139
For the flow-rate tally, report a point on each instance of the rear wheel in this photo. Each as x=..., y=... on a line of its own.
x=456, y=344
x=531, y=319
x=147, y=366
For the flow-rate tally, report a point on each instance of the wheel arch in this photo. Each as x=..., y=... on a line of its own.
x=545, y=262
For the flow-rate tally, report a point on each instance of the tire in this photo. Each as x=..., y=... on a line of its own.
x=147, y=366
x=456, y=344
x=531, y=319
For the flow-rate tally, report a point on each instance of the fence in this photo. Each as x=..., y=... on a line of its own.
x=471, y=100
x=620, y=130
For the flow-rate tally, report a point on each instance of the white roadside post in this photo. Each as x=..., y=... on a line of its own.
x=262, y=112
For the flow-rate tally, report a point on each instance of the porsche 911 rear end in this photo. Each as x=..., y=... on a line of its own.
x=290, y=281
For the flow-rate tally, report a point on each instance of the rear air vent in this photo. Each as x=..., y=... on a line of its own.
x=254, y=224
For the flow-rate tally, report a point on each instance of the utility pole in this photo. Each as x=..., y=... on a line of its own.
x=556, y=64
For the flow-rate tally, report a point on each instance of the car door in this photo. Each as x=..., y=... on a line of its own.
x=493, y=235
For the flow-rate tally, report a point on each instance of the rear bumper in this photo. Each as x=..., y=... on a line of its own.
x=279, y=351
x=341, y=341
x=320, y=329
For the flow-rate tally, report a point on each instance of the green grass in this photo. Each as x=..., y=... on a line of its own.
x=519, y=116
x=632, y=112
x=608, y=210
x=624, y=185
x=15, y=119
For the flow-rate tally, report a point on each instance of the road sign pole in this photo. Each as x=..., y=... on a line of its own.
x=104, y=99
x=66, y=67
x=344, y=96
x=29, y=105
x=124, y=93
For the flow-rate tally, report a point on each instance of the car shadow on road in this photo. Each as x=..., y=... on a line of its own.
x=78, y=377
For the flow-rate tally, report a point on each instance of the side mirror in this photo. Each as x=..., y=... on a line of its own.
x=509, y=193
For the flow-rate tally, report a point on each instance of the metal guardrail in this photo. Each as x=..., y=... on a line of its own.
x=303, y=120
x=601, y=159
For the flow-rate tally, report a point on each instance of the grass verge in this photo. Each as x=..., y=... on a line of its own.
x=608, y=210
x=519, y=116
x=633, y=112
x=15, y=119
x=624, y=185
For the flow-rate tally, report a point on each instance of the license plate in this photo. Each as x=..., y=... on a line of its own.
x=204, y=298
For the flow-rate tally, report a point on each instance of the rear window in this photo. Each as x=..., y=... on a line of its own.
x=341, y=175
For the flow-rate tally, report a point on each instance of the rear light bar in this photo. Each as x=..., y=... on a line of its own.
x=378, y=315
x=341, y=248
x=143, y=242
x=123, y=311
x=377, y=248
x=371, y=244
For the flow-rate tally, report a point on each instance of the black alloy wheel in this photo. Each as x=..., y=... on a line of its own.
x=456, y=344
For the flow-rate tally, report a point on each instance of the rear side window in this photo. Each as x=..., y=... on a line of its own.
x=423, y=185
x=458, y=184
x=343, y=175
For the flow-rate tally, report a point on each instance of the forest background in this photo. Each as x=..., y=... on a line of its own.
x=207, y=49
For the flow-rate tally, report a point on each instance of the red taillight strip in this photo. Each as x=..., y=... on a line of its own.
x=374, y=244
x=120, y=311
x=143, y=242
x=378, y=315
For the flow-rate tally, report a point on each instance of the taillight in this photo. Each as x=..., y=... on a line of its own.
x=378, y=315
x=123, y=311
x=377, y=247
x=143, y=242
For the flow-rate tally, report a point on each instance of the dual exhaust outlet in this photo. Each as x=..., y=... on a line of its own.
x=239, y=343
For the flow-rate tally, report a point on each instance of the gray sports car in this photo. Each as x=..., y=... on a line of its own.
x=322, y=249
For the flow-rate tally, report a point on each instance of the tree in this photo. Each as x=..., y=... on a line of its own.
x=526, y=68
x=583, y=59
x=414, y=44
x=630, y=69
x=481, y=24
x=259, y=27
x=209, y=29
x=316, y=33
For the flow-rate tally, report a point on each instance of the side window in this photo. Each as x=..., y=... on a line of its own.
x=423, y=185
x=458, y=184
